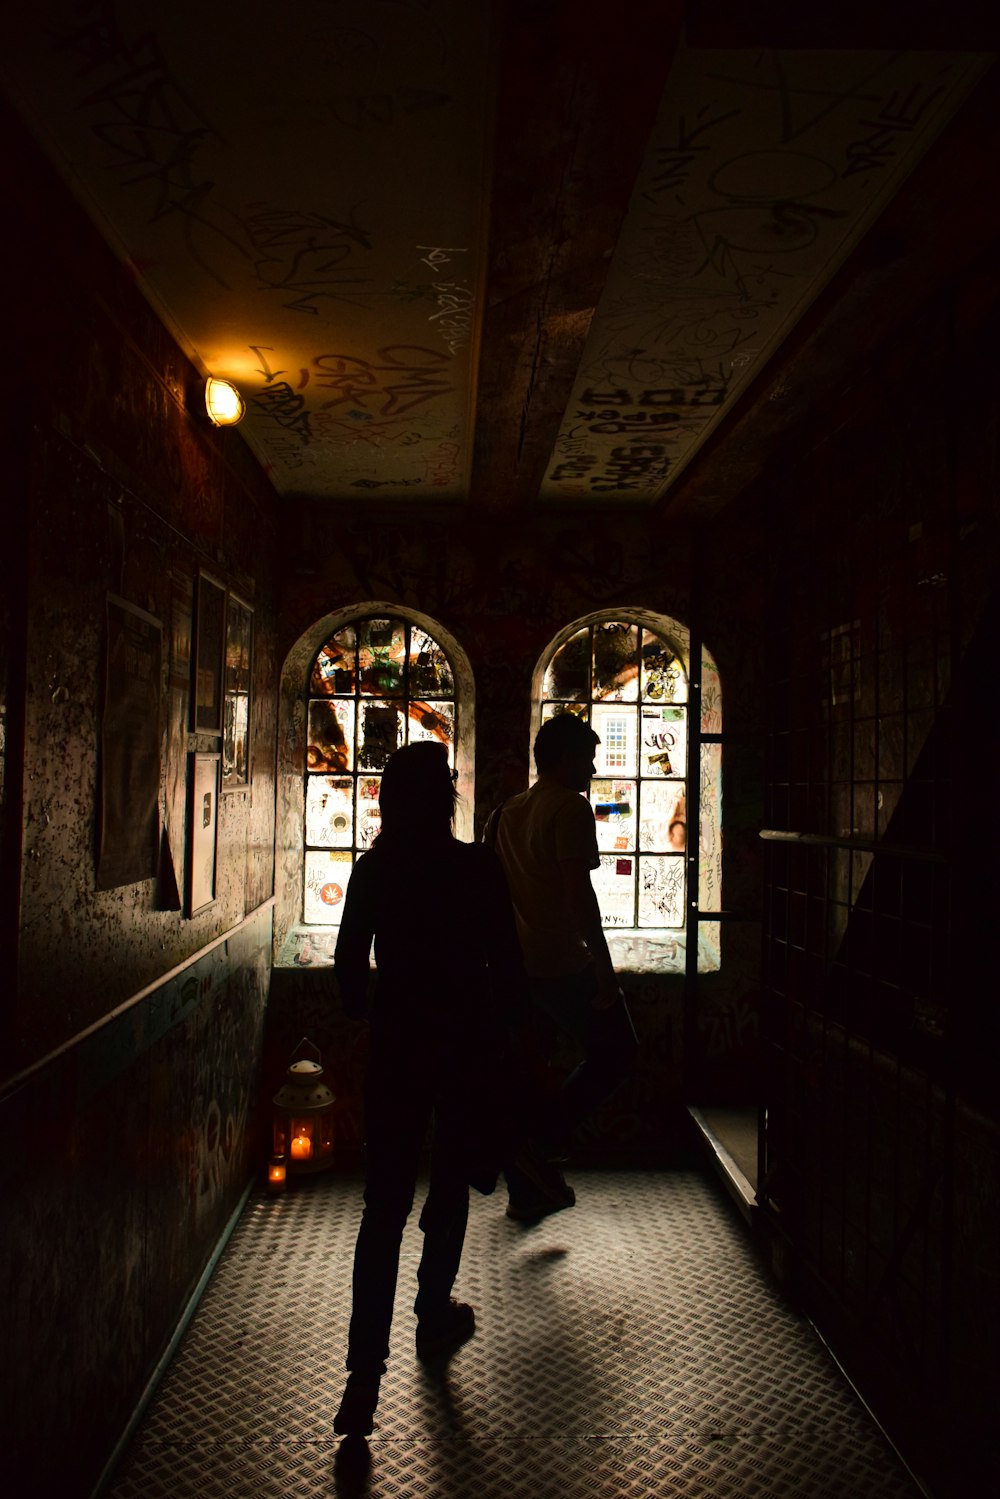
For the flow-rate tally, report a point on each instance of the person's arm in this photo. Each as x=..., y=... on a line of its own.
x=582, y=901
x=352, y=962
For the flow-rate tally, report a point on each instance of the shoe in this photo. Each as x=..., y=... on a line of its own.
x=534, y=1212
x=551, y=1191
x=355, y=1417
x=543, y=1174
x=440, y=1335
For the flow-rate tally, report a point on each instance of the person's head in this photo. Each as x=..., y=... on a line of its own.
x=417, y=795
x=564, y=750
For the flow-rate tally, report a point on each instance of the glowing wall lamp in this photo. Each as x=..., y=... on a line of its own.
x=223, y=403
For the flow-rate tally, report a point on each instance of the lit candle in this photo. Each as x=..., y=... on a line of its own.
x=301, y=1148
x=276, y=1174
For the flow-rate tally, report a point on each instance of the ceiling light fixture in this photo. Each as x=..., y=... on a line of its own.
x=223, y=402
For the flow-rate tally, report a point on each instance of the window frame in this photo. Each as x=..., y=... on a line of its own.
x=648, y=948
x=348, y=854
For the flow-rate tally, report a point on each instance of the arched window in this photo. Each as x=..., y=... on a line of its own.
x=377, y=683
x=656, y=794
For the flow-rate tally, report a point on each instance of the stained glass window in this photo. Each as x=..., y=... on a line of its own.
x=631, y=684
x=378, y=683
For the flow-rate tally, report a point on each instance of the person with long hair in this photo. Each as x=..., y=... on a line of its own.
x=449, y=987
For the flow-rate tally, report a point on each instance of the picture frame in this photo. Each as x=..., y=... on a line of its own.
x=203, y=825
x=209, y=651
x=237, y=694
x=127, y=841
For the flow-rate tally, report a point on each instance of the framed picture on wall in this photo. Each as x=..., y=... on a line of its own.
x=128, y=822
x=203, y=822
x=236, y=694
x=208, y=655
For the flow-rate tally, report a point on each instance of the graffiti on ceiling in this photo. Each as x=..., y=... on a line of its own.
x=305, y=198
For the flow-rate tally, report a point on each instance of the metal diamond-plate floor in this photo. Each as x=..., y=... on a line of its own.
x=631, y=1346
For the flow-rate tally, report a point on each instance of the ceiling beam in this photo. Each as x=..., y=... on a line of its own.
x=579, y=90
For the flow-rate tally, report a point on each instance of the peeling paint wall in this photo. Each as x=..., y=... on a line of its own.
x=126, y=490
x=123, y=1160
x=132, y=1035
x=83, y=950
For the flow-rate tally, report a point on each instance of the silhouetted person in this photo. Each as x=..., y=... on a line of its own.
x=449, y=982
x=546, y=840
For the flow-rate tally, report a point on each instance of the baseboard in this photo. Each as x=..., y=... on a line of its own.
x=107, y=1473
x=915, y=1476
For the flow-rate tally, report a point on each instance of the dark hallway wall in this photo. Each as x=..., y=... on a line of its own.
x=847, y=602
x=132, y=1044
x=131, y=1033
x=882, y=1191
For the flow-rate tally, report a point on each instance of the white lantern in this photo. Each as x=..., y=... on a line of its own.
x=303, y=1117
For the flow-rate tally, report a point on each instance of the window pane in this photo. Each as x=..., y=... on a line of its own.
x=636, y=698
x=615, y=755
x=376, y=684
x=614, y=883
x=238, y=622
x=434, y=721
x=381, y=650
x=369, y=816
x=614, y=812
x=662, y=816
x=333, y=669
x=711, y=696
x=327, y=876
x=663, y=679
x=330, y=811
x=710, y=823
x=616, y=662
x=664, y=742
x=661, y=890
x=331, y=734
x=568, y=675
x=709, y=946
x=235, y=730
x=552, y=710
x=380, y=731
x=430, y=672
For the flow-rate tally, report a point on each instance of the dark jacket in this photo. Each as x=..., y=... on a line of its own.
x=446, y=948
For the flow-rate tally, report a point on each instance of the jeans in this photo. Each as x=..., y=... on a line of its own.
x=607, y=1038
x=407, y=1084
x=609, y=1044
